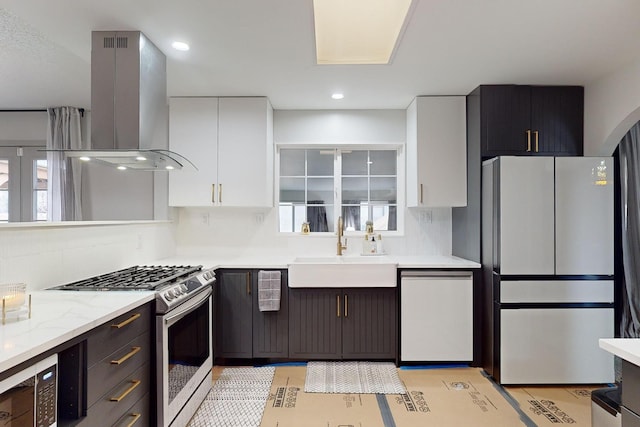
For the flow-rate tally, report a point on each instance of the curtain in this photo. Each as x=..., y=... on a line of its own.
x=64, y=183
x=630, y=198
x=317, y=216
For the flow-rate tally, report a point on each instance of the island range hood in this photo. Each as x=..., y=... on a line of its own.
x=129, y=110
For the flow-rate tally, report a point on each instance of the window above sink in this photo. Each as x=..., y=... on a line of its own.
x=318, y=184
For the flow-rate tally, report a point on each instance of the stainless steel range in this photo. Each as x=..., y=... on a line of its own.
x=184, y=355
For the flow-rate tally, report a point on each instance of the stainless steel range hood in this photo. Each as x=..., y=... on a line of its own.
x=129, y=110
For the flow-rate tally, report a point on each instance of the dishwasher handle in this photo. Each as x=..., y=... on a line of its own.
x=440, y=274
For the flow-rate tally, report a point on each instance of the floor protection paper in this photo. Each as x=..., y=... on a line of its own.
x=553, y=406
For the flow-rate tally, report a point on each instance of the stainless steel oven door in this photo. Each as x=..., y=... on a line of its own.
x=184, y=359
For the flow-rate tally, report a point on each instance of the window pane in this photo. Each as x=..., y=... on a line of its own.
x=383, y=190
x=320, y=217
x=383, y=162
x=292, y=162
x=320, y=162
x=320, y=190
x=354, y=163
x=354, y=190
x=4, y=205
x=41, y=205
x=41, y=174
x=4, y=193
x=292, y=190
x=355, y=217
x=384, y=218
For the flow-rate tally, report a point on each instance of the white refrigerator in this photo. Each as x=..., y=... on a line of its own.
x=548, y=266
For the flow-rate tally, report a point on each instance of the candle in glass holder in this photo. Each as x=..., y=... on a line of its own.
x=13, y=296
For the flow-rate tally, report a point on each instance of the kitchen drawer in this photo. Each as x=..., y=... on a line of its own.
x=105, y=339
x=137, y=415
x=106, y=412
x=105, y=375
x=631, y=389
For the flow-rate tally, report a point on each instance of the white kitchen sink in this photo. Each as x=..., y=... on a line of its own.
x=343, y=272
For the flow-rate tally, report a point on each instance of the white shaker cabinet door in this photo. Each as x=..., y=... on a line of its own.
x=526, y=215
x=193, y=133
x=437, y=152
x=245, y=141
x=584, y=215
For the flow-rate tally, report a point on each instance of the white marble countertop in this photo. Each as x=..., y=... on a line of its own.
x=625, y=348
x=57, y=317
x=282, y=261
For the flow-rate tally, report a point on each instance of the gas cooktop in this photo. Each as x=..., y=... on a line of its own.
x=173, y=284
x=139, y=278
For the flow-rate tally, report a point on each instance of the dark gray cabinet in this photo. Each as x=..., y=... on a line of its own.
x=118, y=376
x=530, y=120
x=350, y=323
x=241, y=329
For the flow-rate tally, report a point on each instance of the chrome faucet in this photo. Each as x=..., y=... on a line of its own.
x=341, y=247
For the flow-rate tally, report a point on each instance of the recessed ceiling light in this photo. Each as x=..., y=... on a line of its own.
x=85, y=158
x=180, y=46
x=358, y=31
x=141, y=158
x=169, y=167
x=337, y=96
x=122, y=168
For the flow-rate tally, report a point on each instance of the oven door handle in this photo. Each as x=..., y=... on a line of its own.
x=189, y=306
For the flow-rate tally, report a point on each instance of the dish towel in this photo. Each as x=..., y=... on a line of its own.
x=269, y=285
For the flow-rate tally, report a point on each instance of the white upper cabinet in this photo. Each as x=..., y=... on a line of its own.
x=231, y=142
x=436, y=152
x=193, y=133
x=245, y=152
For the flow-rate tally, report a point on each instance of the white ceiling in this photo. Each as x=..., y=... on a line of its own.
x=266, y=47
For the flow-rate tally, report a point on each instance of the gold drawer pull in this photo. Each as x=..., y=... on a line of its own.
x=338, y=305
x=136, y=417
x=126, y=322
x=213, y=193
x=134, y=384
x=220, y=193
x=133, y=351
x=528, y=140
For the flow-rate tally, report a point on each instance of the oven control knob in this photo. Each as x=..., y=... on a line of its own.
x=183, y=287
x=168, y=296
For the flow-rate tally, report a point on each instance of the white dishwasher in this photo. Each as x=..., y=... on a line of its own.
x=436, y=316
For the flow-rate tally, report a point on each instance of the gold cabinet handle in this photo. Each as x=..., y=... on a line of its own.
x=248, y=283
x=220, y=193
x=338, y=305
x=127, y=356
x=535, y=133
x=126, y=322
x=346, y=305
x=213, y=193
x=528, y=140
x=420, y=193
x=135, y=419
x=134, y=384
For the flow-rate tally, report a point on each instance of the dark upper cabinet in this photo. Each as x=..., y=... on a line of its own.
x=530, y=120
x=241, y=329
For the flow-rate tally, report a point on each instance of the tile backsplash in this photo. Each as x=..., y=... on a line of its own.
x=45, y=256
